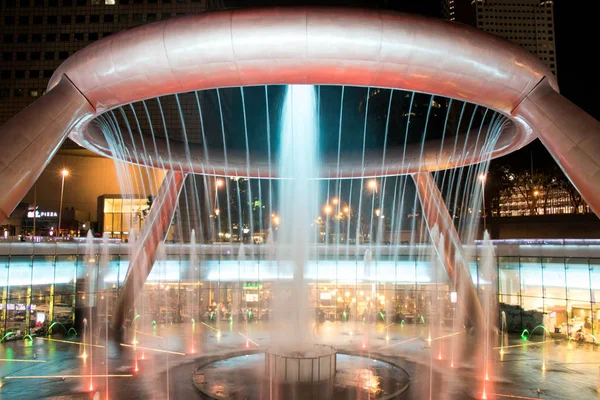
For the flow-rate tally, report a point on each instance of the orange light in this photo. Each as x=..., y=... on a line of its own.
x=219, y=183
x=373, y=184
x=64, y=172
x=334, y=201
x=327, y=209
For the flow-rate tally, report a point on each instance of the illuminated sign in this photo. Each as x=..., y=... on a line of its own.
x=251, y=297
x=41, y=214
x=252, y=285
x=325, y=296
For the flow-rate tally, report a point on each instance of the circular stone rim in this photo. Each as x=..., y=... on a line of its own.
x=215, y=359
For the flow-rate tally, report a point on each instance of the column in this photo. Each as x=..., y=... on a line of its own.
x=144, y=253
x=436, y=212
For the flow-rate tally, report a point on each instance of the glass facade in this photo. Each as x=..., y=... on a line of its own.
x=120, y=215
x=41, y=284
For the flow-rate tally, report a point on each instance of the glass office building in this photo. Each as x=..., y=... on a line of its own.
x=554, y=283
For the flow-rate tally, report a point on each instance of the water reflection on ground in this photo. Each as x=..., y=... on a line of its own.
x=167, y=357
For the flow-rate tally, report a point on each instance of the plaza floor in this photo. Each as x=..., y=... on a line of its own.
x=158, y=363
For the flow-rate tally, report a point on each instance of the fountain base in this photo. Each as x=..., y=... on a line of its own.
x=314, y=363
x=245, y=376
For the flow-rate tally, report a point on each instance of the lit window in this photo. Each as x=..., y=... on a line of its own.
x=109, y=2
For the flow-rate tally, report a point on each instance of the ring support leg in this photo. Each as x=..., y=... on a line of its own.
x=145, y=248
x=450, y=248
x=29, y=140
x=570, y=135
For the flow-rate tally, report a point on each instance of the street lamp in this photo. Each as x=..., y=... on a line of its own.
x=327, y=209
x=482, y=178
x=63, y=173
x=373, y=185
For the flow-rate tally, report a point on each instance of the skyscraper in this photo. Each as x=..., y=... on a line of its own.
x=528, y=23
x=38, y=35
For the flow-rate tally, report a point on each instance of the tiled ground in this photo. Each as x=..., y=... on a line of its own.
x=572, y=371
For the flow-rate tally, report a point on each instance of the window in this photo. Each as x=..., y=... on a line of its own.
x=49, y=55
x=33, y=93
x=78, y=37
x=123, y=2
x=38, y=20
x=48, y=73
x=18, y=93
x=22, y=38
x=39, y=3
x=105, y=34
x=5, y=74
x=4, y=93
x=93, y=36
x=34, y=73
x=51, y=19
x=24, y=3
x=81, y=2
x=151, y=17
x=24, y=20
x=19, y=74
x=80, y=19
x=10, y=3
x=152, y=1
x=109, y=18
x=9, y=38
x=6, y=56
x=64, y=37
x=21, y=56
x=65, y=19
x=109, y=2
x=9, y=20
x=138, y=1
x=67, y=3
x=50, y=37
x=63, y=55
x=123, y=18
x=136, y=18
x=35, y=55
x=94, y=19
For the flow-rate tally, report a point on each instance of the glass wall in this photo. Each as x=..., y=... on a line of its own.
x=35, y=291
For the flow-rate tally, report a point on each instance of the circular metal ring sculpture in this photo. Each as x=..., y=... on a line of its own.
x=307, y=46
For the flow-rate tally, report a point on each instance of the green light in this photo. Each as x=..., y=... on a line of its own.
x=69, y=332
x=56, y=323
x=402, y=324
x=134, y=318
x=10, y=333
x=344, y=315
x=382, y=316
x=525, y=335
x=193, y=321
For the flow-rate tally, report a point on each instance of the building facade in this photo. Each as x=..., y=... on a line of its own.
x=528, y=23
x=552, y=282
x=38, y=35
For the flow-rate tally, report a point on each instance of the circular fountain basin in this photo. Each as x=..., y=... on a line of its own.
x=314, y=363
x=245, y=377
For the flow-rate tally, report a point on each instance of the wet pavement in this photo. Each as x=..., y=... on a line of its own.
x=166, y=358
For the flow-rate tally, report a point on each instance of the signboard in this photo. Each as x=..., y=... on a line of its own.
x=252, y=285
x=325, y=296
x=251, y=297
x=42, y=214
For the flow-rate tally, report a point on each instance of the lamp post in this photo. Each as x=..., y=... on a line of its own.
x=482, y=178
x=63, y=173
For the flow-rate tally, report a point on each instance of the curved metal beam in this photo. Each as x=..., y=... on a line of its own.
x=29, y=140
x=145, y=248
x=304, y=46
x=450, y=249
x=570, y=134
